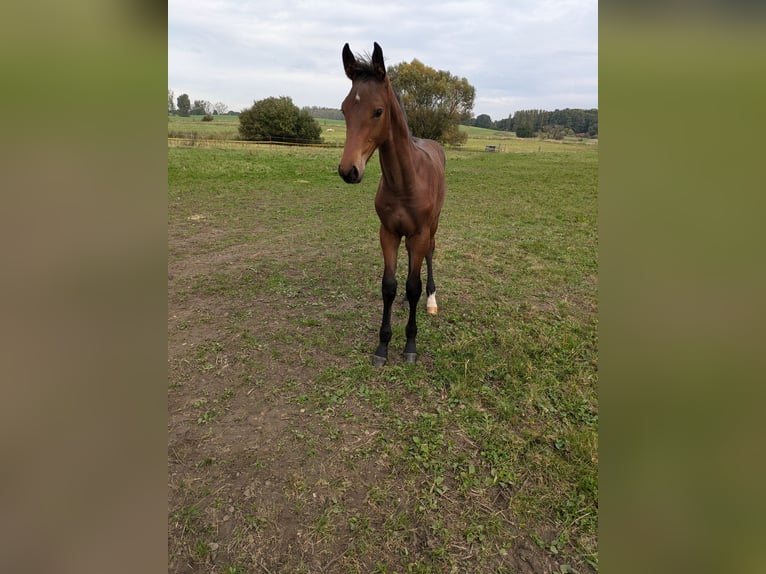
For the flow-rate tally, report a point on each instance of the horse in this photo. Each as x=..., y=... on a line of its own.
x=410, y=193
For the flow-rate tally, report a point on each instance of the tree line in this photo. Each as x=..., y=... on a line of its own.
x=436, y=103
x=526, y=123
x=555, y=124
x=321, y=113
x=183, y=106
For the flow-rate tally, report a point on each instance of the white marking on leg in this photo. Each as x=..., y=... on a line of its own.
x=431, y=303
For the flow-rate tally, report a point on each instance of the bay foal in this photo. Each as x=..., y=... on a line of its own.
x=411, y=191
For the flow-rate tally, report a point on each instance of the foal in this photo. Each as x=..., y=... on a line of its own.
x=411, y=190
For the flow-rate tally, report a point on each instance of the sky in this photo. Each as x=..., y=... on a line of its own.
x=517, y=54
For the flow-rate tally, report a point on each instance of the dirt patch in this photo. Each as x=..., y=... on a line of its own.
x=280, y=460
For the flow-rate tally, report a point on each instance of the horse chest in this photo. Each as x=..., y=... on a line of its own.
x=397, y=219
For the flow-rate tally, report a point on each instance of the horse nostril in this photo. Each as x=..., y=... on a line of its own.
x=352, y=176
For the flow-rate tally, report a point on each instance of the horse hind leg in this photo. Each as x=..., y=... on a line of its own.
x=431, y=306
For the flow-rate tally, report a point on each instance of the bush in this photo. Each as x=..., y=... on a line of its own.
x=525, y=131
x=207, y=118
x=553, y=132
x=278, y=119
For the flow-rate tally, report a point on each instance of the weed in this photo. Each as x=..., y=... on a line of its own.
x=207, y=417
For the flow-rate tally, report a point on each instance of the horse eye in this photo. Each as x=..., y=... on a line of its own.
x=378, y=113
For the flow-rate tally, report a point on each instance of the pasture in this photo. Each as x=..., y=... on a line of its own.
x=289, y=452
x=334, y=134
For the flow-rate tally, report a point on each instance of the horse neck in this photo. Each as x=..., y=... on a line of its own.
x=396, y=153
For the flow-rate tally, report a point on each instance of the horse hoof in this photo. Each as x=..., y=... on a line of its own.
x=378, y=361
x=432, y=310
x=411, y=357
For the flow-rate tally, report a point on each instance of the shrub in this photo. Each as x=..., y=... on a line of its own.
x=278, y=119
x=525, y=131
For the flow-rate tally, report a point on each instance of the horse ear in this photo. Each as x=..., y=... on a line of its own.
x=349, y=62
x=377, y=62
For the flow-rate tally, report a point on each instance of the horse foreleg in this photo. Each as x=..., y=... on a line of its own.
x=389, y=243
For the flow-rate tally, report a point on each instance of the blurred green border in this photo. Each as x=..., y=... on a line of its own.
x=83, y=229
x=681, y=277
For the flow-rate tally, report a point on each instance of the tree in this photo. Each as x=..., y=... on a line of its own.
x=171, y=102
x=278, y=119
x=483, y=121
x=435, y=101
x=184, y=105
x=503, y=125
x=201, y=108
x=220, y=108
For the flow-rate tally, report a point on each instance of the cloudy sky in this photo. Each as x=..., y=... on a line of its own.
x=518, y=54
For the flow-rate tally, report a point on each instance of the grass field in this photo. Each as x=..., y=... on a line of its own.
x=289, y=452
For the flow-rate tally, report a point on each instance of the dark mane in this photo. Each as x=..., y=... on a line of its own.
x=364, y=70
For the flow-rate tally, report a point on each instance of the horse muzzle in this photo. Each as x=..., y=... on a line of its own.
x=353, y=175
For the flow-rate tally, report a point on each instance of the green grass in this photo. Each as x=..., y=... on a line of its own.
x=488, y=444
x=223, y=127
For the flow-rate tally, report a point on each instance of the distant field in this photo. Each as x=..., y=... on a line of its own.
x=334, y=134
x=222, y=127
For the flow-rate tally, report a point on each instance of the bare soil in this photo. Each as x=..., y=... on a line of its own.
x=260, y=479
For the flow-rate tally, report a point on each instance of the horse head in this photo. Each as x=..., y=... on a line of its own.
x=366, y=110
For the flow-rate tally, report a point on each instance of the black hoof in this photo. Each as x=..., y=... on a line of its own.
x=378, y=361
x=411, y=357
